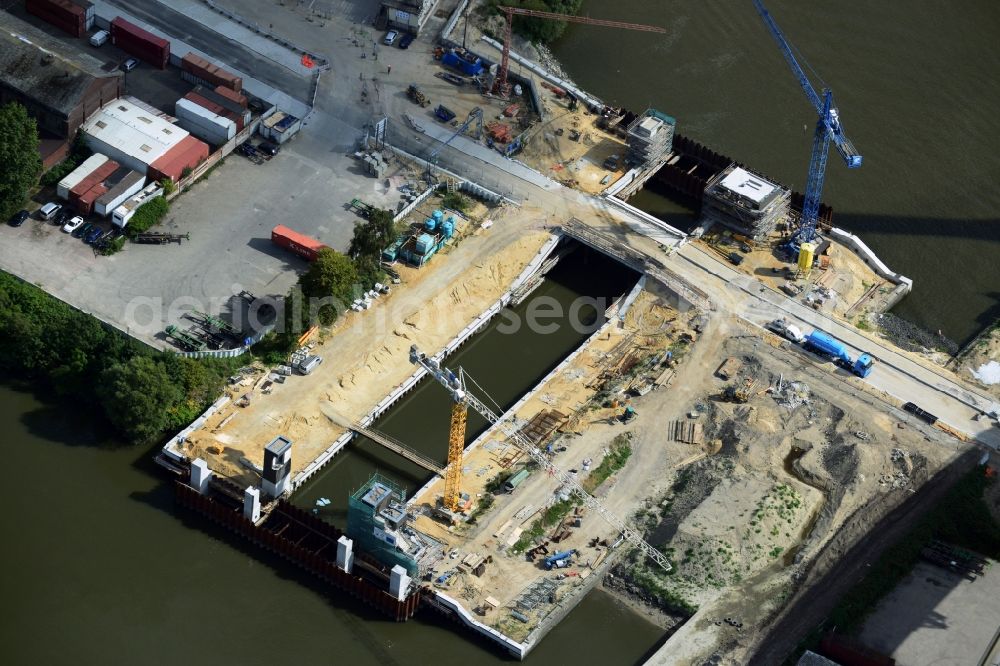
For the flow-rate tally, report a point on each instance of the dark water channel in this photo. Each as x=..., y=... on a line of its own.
x=99, y=567
x=917, y=89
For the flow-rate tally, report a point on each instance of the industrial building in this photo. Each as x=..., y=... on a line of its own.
x=745, y=201
x=406, y=15
x=650, y=138
x=60, y=89
x=142, y=141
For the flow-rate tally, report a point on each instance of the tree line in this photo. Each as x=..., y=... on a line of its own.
x=142, y=392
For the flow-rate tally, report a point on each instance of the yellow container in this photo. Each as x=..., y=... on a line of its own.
x=807, y=253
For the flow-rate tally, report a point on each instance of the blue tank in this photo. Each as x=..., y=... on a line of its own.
x=448, y=227
x=826, y=344
x=438, y=216
x=430, y=224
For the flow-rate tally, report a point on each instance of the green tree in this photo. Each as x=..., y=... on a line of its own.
x=19, y=157
x=138, y=395
x=374, y=235
x=331, y=279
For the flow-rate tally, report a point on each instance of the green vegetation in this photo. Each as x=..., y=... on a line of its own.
x=330, y=279
x=494, y=485
x=370, y=238
x=616, y=458
x=147, y=215
x=168, y=185
x=79, y=154
x=72, y=355
x=456, y=201
x=484, y=505
x=19, y=157
x=114, y=247
x=863, y=324
x=539, y=30
x=669, y=598
x=550, y=518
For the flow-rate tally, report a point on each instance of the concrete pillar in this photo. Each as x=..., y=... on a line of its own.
x=277, y=474
x=399, y=582
x=345, y=554
x=251, y=504
x=200, y=474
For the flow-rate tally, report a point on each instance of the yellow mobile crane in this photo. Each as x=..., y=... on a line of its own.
x=455, y=384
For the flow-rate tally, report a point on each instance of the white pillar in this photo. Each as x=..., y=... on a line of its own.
x=200, y=474
x=399, y=582
x=345, y=554
x=251, y=504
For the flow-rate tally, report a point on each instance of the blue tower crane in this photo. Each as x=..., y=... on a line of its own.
x=828, y=127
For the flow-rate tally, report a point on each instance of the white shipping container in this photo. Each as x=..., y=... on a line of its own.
x=193, y=117
x=124, y=212
x=119, y=194
x=89, y=166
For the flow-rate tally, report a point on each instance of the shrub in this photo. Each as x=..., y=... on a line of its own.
x=147, y=215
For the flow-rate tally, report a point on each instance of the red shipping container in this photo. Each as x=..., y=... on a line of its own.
x=302, y=245
x=206, y=71
x=205, y=104
x=85, y=204
x=61, y=13
x=187, y=154
x=140, y=43
x=232, y=95
x=98, y=176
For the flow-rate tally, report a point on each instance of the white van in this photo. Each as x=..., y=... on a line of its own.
x=99, y=38
x=309, y=364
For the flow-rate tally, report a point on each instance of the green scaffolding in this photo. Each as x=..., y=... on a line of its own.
x=366, y=527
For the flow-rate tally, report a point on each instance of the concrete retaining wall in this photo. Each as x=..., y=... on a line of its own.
x=904, y=285
x=584, y=97
x=172, y=449
x=456, y=609
x=473, y=188
x=455, y=15
x=646, y=217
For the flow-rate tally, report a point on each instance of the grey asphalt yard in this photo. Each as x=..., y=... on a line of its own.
x=936, y=617
x=229, y=216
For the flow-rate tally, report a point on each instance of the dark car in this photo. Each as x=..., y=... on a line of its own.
x=18, y=218
x=268, y=148
x=735, y=258
x=63, y=217
x=92, y=235
x=83, y=230
x=405, y=42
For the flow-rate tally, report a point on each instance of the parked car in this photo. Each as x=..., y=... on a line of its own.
x=268, y=148
x=83, y=231
x=49, y=211
x=18, y=218
x=74, y=224
x=405, y=42
x=92, y=235
x=390, y=37
x=129, y=65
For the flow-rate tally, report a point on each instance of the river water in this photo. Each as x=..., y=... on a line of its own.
x=917, y=87
x=100, y=567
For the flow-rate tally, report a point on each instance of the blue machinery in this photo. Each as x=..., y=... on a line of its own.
x=828, y=128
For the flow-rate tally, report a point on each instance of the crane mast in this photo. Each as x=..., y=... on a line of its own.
x=455, y=384
x=828, y=128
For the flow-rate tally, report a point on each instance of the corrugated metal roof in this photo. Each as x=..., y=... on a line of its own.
x=134, y=131
x=42, y=68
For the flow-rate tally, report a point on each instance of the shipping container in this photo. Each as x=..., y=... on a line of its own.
x=89, y=13
x=85, y=203
x=304, y=246
x=187, y=154
x=119, y=193
x=235, y=111
x=279, y=127
x=202, y=71
x=123, y=213
x=204, y=124
x=98, y=175
x=141, y=43
x=74, y=177
x=61, y=13
x=232, y=95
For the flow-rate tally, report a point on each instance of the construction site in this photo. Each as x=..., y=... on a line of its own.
x=441, y=448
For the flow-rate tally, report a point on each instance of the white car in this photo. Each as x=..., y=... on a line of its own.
x=390, y=37
x=73, y=224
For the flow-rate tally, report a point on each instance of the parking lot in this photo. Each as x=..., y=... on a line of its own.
x=229, y=215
